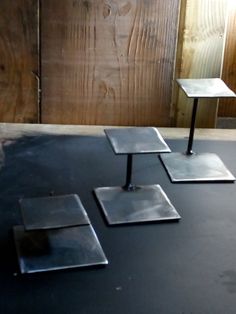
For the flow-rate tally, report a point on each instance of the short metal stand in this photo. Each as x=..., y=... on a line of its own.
x=131, y=203
x=190, y=166
x=56, y=234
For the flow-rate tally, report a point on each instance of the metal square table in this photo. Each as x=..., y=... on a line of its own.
x=131, y=203
x=191, y=166
x=57, y=234
x=53, y=212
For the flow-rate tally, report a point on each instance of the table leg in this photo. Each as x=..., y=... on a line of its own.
x=128, y=185
x=192, y=127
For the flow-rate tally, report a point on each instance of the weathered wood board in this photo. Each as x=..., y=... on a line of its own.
x=18, y=61
x=108, y=62
x=200, y=53
x=227, y=107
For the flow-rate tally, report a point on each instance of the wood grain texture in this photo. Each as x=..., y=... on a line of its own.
x=202, y=39
x=227, y=107
x=18, y=61
x=108, y=62
x=9, y=132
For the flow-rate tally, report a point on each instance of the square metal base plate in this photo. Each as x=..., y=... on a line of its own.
x=205, y=167
x=53, y=212
x=146, y=203
x=46, y=250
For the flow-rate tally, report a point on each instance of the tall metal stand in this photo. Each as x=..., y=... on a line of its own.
x=130, y=203
x=198, y=167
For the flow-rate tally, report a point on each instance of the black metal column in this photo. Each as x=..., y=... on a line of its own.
x=128, y=185
x=192, y=127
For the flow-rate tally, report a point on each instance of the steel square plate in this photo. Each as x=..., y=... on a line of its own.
x=46, y=250
x=53, y=212
x=204, y=167
x=145, y=204
x=205, y=88
x=137, y=140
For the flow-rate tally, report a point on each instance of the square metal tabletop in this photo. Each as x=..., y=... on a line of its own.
x=205, y=88
x=136, y=140
x=53, y=212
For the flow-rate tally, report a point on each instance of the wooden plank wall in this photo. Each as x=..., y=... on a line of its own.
x=227, y=107
x=111, y=62
x=200, y=53
x=18, y=61
x=108, y=62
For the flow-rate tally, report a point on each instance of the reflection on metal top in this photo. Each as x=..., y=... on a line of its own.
x=205, y=88
x=136, y=140
x=47, y=250
x=53, y=212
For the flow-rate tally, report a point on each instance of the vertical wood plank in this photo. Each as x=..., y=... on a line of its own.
x=227, y=107
x=202, y=42
x=18, y=61
x=108, y=62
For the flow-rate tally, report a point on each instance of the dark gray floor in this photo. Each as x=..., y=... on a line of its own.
x=184, y=267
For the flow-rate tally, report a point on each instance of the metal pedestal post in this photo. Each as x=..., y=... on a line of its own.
x=192, y=166
x=192, y=127
x=131, y=203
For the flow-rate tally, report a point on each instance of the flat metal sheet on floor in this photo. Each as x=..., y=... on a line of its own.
x=204, y=167
x=145, y=204
x=46, y=250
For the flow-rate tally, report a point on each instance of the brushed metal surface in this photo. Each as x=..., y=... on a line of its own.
x=46, y=250
x=145, y=204
x=204, y=167
x=136, y=140
x=53, y=212
x=205, y=88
